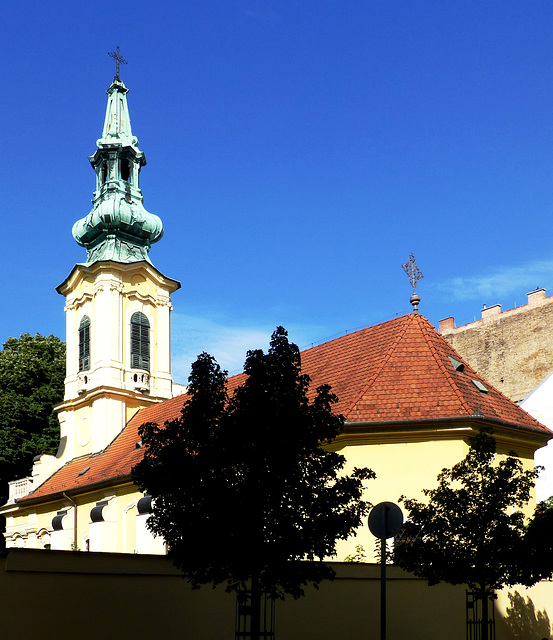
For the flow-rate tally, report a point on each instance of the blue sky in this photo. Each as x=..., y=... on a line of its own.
x=297, y=151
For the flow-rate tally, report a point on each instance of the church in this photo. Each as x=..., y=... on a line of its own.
x=410, y=401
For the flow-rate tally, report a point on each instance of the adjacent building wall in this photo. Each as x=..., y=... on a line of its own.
x=513, y=349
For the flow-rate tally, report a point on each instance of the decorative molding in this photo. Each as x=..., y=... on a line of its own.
x=117, y=287
x=164, y=301
x=74, y=303
x=145, y=299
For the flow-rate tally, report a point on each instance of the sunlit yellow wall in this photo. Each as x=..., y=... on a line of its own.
x=406, y=468
x=402, y=468
x=152, y=600
x=119, y=532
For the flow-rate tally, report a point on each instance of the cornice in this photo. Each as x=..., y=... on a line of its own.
x=117, y=484
x=75, y=303
x=103, y=391
x=81, y=271
x=400, y=431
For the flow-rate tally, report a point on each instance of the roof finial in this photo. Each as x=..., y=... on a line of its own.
x=119, y=60
x=414, y=274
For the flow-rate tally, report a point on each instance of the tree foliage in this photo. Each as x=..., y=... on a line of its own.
x=32, y=371
x=538, y=544
x=471, y=529
x=242, y=488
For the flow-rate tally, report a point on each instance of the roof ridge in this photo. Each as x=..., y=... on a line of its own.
x=490, y=386
x=443, y=368
x=383, y=362
x=474, y=374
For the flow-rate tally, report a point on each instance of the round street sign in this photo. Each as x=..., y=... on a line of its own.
x=385, y=520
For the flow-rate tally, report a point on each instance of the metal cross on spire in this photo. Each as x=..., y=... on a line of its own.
x=119, y=60
x=414, y=274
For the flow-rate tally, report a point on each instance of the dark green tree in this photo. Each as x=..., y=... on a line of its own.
x=538, y=544
x=32, y=371
x=471, y=528
x=244, y=494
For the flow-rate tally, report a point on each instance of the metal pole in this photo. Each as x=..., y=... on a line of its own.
x=383, y=588
x=383, y=574
x=385, y=521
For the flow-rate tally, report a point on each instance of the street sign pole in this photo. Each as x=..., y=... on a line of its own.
x=385, y=521
x=383, y=587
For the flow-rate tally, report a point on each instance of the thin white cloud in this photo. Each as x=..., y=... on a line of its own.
x=499, y=283
x=226, y=342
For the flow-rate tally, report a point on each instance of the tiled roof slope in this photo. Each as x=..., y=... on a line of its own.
x=399, y=370
x=116, y=461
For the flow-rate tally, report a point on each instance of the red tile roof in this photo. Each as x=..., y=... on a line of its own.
x=400, y=370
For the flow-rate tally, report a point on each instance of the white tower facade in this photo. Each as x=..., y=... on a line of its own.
x=118, y=304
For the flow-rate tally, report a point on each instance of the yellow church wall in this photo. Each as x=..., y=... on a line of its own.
x=406, y=465
x=402, y=468
x=123, y=529
x=147, y=597
x=93, y=422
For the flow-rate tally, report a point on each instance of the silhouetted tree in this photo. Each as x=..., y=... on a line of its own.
x=244, y=494
x=538, y=544
x=471, y=530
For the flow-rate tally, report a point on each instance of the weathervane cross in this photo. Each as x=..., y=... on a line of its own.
x=119, y=60
x=414, y=274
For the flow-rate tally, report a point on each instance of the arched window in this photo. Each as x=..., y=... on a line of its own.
x=126, y=170
x=84, y=344
x=140, y=341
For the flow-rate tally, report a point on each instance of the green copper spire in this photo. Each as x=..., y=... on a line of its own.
x=118, y=227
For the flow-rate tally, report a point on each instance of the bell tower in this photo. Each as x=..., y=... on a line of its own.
x=117, y=303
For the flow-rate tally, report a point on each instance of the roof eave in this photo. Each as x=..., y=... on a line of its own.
x=441, y=428
x=31, y=500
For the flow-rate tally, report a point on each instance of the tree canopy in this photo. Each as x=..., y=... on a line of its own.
x=538, y=544
x=32, y=371
x=242, y=487
x=471, y=530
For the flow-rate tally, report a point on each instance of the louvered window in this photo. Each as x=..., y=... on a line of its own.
x=140, y=341
x=84, y=344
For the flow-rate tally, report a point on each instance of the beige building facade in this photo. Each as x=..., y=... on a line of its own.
x=511, y=349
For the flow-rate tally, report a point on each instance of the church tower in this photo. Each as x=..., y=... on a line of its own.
x=117, y=303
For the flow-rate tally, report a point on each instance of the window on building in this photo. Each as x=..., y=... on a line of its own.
x=140, y=341
x=126, y=170
x=84, y=344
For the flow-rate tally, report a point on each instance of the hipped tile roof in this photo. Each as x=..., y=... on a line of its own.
x=400, y=370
